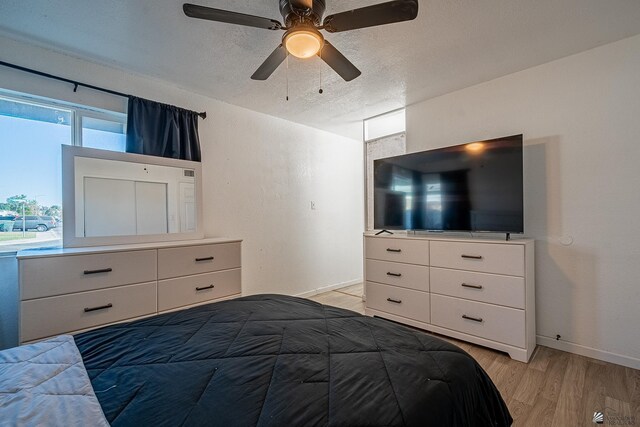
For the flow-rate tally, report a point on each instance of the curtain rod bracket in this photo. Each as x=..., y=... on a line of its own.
x=203, y=115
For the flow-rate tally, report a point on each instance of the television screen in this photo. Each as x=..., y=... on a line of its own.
x=471, y=187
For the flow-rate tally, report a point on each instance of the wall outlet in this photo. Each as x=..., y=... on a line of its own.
x=313, y=206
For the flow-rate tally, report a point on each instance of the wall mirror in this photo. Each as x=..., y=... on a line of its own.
x=118, y=198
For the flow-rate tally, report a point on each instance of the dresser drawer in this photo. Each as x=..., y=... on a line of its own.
x=483, y=287
x=394, y=273
x=184, y=261
x=397, y=250
x=399, y=301
x=56, y=315
x=483, y=257
x=173, y=293
x=492, y=322
x=45, y=277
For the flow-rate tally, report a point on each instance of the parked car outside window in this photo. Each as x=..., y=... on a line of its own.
x=32, y=222
x=51, y=220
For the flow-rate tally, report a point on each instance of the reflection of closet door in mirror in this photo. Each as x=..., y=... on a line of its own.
x=187, y=207
x=151, y=208
x=109, y=207
x=132, y=198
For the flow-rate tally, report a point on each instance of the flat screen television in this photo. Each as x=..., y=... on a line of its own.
x=475, y=187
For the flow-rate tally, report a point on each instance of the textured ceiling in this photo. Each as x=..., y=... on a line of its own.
x=451, y=45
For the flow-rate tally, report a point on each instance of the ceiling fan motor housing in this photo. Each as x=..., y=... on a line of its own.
x=297, y=11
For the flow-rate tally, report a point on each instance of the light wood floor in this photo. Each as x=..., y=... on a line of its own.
x=554, y=389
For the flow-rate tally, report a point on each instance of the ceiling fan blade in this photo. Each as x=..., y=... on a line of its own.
x=270, y=64
x=338, y=62
x=371, y=16
x=211, y=14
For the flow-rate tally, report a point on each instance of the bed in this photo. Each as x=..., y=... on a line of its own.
x=274, y=360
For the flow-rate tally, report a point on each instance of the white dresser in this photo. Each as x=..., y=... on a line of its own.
x=481, y=291
x=74, y=289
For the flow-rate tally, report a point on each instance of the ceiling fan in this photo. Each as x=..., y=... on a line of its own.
x=302, y=25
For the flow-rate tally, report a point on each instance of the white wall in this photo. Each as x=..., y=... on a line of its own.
x=581, y=120
x=260, y=175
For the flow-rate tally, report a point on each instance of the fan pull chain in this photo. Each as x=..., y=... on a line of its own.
x=287, y=59
x=321, y=91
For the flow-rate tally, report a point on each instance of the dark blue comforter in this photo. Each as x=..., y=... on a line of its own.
x=283, y=361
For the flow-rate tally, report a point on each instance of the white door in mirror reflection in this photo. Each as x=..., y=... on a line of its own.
x=118, y=207
x=151, y=208
x=187, y=207
x=109, y=207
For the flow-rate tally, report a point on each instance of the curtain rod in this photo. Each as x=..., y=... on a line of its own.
x=75, y=84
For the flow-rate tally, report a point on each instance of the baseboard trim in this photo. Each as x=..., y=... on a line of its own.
x=324, y=289
x=594, y=353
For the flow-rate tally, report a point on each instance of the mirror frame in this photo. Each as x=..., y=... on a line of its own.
x=69, y=238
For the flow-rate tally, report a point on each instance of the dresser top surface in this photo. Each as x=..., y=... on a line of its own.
x=451, y=238
x=52, y=252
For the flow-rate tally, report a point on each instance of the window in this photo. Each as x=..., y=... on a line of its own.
x=103, y=133
x=31, y=134
x=384, y=137
x=386, y=124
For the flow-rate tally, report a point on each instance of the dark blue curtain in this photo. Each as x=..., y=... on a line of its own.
x=162, y=130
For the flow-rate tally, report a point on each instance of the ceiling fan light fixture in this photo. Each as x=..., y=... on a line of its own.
x=303, y=42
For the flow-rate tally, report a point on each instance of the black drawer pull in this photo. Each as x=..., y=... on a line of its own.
x=475, y=319
x=394, y=250
x=204, y=288
x=103, y=270
x=471, y=256
x=466, y=285
x=102, y=307
x=397, y=301
x=209, y=258
x=394, y=274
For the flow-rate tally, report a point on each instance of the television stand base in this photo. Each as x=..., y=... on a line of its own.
x=383, y=231
x=508, y=237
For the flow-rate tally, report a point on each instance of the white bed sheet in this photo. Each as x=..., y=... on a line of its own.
x=46, y=384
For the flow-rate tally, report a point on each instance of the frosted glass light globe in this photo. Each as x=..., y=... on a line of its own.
x=303, y=43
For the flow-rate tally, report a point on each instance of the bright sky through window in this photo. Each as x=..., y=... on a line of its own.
x=31, y=136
